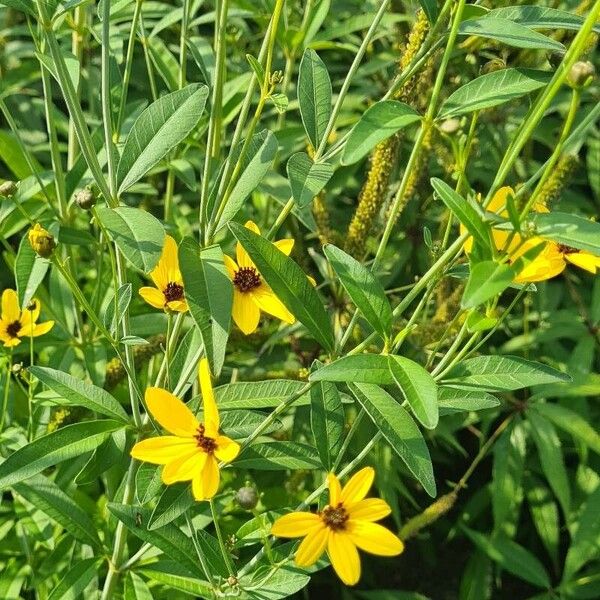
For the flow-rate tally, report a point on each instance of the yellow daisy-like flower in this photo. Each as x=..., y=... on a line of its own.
x=345, y=524
x=168, y=293
x=250, y=292
x=193, y=450
x=41, y=241
x=16, y=324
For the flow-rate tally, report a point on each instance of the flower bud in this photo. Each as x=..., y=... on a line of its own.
x=41, y=241
x=17, y=368
x=450, y=126
x=581, y=74
x=85, y=198
x=247, y=497
x=8, y=189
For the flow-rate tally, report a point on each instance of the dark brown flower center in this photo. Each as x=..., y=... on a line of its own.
x=173, y=291
x=13, y=329
x=207, y=444
x=246, y=279
x=564, y=249
x=335, y=517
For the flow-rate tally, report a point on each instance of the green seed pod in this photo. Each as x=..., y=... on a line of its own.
x=247, y=497
x=85, y=199
x=581, y=74
x=8, y=189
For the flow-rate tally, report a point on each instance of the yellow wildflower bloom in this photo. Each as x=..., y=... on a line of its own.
x=193, y=450
x=168, y=293
x=41, y=241
x=345, y=524
x=16, y=324
x=250, y=292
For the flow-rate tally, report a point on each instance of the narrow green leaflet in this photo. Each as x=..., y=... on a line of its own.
x=364, y=289
x=259, y=157
x=209, y=294
x=464, y=212
x=307, y=178
x=399, y=430
x=496, y=373
x=418, y=388
x=451, y=400
x=50, y=499
x=378, y=122
x=326, y=421
x=570, y=230
x=171, y=574
x=289, y=282
x=540, y=17
x=30, y=270
x=138, y=234
x=430, y=8
x=544, y=512
x=158, y=130
x=275, y=456
x=482, y=92
x=173, y=502
x=314, y=96
x=53, y=448
x=26, y=6
x=260, y=394
x=76, y=580
x=358, y=368
x=486, y=280
x=136, y=588
x=117, y=307
x=509, y=33
x=80, y=393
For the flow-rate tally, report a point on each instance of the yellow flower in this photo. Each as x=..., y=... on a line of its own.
x=168, y=293
x=250, y=293
x=345, y=524
x=193, y=450
x=41, y=241
x=16, y=324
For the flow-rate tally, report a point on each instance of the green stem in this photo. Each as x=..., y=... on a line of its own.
x=201, y=558
x=6, y=390
x=183, y=43
x=224, y=552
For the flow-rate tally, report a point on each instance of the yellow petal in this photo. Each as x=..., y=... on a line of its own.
x=312, y=546
x=171, y=412
x=245, y=312
x=12, y=342
x=39, y=329
x=344, y=557
x=184, y=467
x=30, y=316
x=206, y=483
x=178, y=305
x=374, y=538
x=335, y=489
x=163, y=449
x=498, y=202
x=358, y=486
x=286, y=246
x=153, y=297
x=296, y=524
x=211, y=413
x=160, y=273
x=252, y=226
x=243, y=260
x=584, y=260
x=267, y=301
x=230, y=266
x=227, y=449
x=10, y=306
x=369, y=509
x=171, y=260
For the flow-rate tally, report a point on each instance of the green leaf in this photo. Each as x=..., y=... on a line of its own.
x=399, y=430
x=209, y=294
x=380, y=121
x=430, y=8
x=285, y=582
x=364, y=289
x=116, y=308
x=544, y=512
x=138, y=234
x=257, y=68
x=570, y=230
x=239, y=424
x=136, y=588
x=30, y=270
x=540, y=17
x=508, y=32
x=80, y=393
x=50, y=499
x=451, y=400
x=551, y=457
x=258, y=160
x=486, y=280
x=171, y=574
x=26, y=6
x=76, y=580
x=148, y=482
x=289, y=283
x=482, y=92
x=496, y=373
x=418, y=388
x=158, y=130
x=53, y=448
x=307, y=178
x=326, y=421
x=276, y=456
x=571, y=422
x=259, y=394
x=314, y=96
x=173, y=502
x=358, y=368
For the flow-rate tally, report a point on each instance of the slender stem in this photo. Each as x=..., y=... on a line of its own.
x=224, y=551
x=183, y=43
x=201, y=558
x=6, y=390
x=77, y=46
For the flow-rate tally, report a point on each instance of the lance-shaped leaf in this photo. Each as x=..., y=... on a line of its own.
x=358, y=368
x=76, y=580
x=486, y=280
x=30, y=270
x=326, y=421
x=571, y=230
x=307, y=178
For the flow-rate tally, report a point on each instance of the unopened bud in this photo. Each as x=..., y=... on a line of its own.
x=41, y=241
x=450, y=126
x=581, y=74
x=8, y=189
x=247, y=497
x=85, y=199
x=17, y=368
x=232, y=581
x=496, y=64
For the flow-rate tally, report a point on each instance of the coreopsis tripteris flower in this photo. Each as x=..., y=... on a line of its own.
x=166, y=276
x=251, y=294
x=16, y=323
x=344, y=525
x=193, y=450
